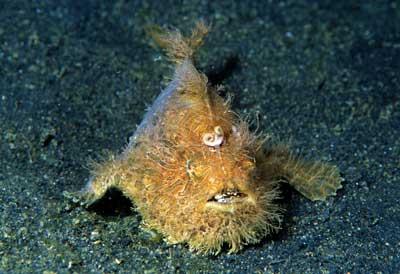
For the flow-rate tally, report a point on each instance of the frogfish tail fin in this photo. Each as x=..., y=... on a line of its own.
x=179, y=48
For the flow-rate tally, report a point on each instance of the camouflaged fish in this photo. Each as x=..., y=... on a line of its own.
x=195, y=171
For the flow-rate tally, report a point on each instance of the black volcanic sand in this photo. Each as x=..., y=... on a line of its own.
x=77, y=76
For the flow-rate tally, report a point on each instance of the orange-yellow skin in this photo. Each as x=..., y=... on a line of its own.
x=195, y=171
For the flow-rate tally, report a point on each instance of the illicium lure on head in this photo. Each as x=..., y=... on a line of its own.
x=195, y=171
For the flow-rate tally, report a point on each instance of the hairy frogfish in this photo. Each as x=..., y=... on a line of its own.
x=195, y=171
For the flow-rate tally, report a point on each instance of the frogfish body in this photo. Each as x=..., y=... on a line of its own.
x=195, y=171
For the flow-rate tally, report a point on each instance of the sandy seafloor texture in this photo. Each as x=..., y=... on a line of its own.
x=77, y=76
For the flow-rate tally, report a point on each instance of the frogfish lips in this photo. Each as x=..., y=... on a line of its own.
x=227, y=197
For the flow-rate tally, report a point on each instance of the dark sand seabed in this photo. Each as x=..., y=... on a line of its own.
x=76, y=77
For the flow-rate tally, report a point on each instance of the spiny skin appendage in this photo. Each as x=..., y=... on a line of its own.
x=196, y=173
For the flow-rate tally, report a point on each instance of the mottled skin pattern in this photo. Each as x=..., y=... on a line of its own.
x=195, y=171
